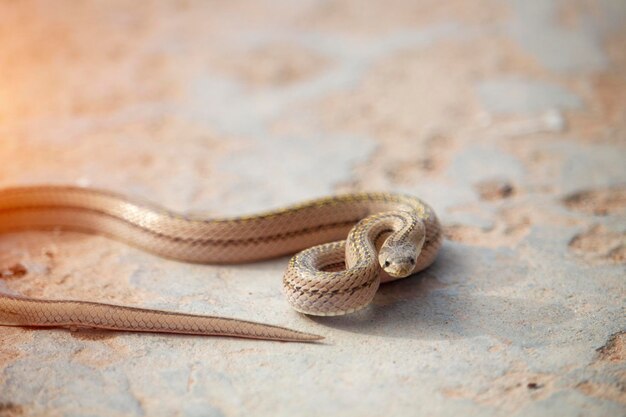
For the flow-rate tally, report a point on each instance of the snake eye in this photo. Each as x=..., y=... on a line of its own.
x=387, y=263
x=412, y=261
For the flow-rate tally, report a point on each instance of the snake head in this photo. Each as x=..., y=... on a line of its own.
x=398, y=257
x=398, y=266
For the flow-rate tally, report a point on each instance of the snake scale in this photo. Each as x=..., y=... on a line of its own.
x=389, y=236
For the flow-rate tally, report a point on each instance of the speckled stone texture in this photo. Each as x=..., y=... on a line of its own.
x=509, y=117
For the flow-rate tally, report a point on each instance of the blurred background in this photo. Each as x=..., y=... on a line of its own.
x=508, y=117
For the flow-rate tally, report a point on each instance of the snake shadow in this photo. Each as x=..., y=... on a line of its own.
x=444, y=302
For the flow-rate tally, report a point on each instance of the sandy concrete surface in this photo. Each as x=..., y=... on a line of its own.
x=509, y=117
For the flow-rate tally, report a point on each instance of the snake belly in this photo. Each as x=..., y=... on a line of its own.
x=330, y=276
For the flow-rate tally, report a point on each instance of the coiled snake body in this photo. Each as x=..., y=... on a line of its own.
x=395, y=236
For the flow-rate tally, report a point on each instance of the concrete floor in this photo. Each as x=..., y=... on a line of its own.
x=509, y=117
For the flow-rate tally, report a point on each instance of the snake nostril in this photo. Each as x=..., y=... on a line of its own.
x=412, y=261
x=387, y=263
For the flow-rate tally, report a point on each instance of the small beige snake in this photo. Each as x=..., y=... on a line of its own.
x=399, y=233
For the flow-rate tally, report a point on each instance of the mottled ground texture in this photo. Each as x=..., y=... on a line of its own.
x=509, y=117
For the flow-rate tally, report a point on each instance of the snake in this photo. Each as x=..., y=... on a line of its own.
x=345, y=246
